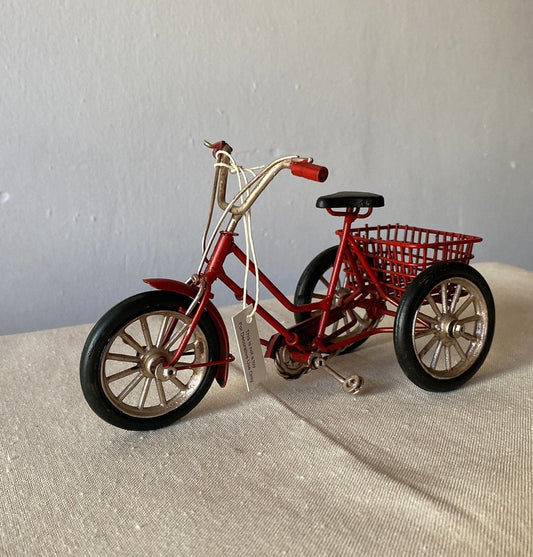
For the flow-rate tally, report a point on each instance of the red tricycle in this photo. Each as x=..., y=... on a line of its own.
x=151, y=359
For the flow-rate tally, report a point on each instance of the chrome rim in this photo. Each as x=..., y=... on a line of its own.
x=450, y=328
x=354, y=321
x=132, y=373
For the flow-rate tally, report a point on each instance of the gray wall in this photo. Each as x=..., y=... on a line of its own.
x=104, y=105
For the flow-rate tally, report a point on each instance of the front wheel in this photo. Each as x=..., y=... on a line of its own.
x=444, y=326
x=121, y=371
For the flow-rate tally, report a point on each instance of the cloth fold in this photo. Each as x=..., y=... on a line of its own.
x=295, y=468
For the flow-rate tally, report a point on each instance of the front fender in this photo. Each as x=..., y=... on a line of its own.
x=212, y=311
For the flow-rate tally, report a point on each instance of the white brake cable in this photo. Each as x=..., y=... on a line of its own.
x=243, y=190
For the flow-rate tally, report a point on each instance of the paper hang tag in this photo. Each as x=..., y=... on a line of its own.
x=247, y=335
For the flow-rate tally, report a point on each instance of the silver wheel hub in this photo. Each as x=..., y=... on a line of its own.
x=151, y=360
x=163, y=373
x=449, y=328
x=456, y=329
x=339, y=295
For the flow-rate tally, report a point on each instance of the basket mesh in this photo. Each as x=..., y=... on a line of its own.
x=397, y=253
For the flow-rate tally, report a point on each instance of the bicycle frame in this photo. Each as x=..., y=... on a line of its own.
x=150, y=359
x=308, y=337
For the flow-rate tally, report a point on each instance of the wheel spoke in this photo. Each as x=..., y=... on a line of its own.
x=358, y=318
x=426, y=318
x=459, y=350
x=164, y=330
x=122, y=374
x=144, y=392
x=123, y=358
x=471, y=319
x=444, y=296
x=428, y=347
x=465, y=304
x=176, y=336
x=181, y=386
x=161, y=393
x=469, y=337
x=433, y=304
x=447, y=358
x=318, y=296
x=190, y=349
x=146, y=331
x=324, y=281
x=436, y=355
x=131, y=385
x=456, y=296
x=130, y=341
x=420, y=333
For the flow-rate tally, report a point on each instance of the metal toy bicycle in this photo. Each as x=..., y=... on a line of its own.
x=149, y=360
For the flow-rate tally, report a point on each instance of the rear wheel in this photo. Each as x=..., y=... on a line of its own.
x=122, y=374
x=444, y=326
x=312, y=287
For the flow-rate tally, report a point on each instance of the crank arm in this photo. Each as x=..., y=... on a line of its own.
x=350, y=385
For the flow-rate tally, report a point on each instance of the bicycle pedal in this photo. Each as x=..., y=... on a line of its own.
x=351, y=385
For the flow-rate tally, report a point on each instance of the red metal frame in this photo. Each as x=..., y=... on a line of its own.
x=365, y=253
x=214, y=270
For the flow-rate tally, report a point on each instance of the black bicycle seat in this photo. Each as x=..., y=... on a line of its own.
x=350, y=199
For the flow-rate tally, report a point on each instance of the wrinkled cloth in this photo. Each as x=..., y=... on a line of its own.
x=294, y=468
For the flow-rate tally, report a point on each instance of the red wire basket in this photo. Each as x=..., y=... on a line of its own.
x=397, y=253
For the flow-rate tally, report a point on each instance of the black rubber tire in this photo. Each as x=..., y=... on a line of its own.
x=145, y=306
x=416, y=297
x=308, y=282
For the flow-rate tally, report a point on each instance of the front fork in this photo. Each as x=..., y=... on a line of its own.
x=205, y=305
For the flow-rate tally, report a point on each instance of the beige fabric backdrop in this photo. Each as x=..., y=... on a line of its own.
x=299, y=468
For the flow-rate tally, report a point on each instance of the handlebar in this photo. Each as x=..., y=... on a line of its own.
x=298, y=166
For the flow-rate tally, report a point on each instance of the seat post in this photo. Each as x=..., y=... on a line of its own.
x=351, y=212
x=350, y=215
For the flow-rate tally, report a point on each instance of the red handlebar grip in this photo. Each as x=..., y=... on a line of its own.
x=310, y=171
